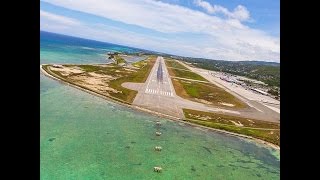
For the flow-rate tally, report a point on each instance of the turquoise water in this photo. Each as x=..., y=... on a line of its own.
x=56, y=48
x=86, y=137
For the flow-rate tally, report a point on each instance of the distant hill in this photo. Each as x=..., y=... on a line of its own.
x=267, y=72
x=265, y=63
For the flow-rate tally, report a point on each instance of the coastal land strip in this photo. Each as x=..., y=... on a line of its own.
x=137, y=86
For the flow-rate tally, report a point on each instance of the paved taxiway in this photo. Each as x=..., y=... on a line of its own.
x=158, y=94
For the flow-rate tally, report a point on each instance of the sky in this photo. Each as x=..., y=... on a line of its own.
x=215, y=29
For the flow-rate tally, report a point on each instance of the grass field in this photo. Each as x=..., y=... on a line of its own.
x=111, y=70
x=175, y=64
x=182, y=73
x=140, y=64
x=206, y=93
x=119, y=75
x=200, y=92
x=138, y=77
x=269, y=131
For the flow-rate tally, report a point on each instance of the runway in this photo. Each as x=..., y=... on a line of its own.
x=159, y=82
x=158, y=94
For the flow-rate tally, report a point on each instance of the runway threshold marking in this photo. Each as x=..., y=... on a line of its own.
x=153, y=91
x=153, y=74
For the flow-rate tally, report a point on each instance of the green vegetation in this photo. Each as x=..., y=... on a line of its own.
x=267, y=131
x=119, y=60
x=111, y=55
x=273, y=92
x=267, y=72
x=139, y=64
x=116, y=58
x=55, y=73
x=247, y=82
x=119, y=75
x=175, y=64
x=185, y=74
x=88, y=68
x=91, y=68
x=106, y=70
x=204, y=92
x=46, y=68
x=139, y=76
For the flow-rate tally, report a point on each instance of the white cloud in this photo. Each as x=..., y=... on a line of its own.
x=57, y=18
x=212, y=9
x=240, y=12
x=226, y=37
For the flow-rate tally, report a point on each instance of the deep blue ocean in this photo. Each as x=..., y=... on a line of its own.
x=57, y=48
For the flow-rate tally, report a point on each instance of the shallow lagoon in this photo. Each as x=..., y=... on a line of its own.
x=86, y=137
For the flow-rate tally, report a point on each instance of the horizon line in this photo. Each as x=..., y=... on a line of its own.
x=159, y=51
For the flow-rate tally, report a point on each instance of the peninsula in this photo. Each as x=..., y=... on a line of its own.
x=171, y=88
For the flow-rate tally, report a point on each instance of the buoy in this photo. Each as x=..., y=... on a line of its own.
x=158, y=148
x=158, y=133
x=157, y=169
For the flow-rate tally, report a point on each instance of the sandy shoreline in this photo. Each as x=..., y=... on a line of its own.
x=172, y=118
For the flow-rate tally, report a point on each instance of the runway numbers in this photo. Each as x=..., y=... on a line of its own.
x=164, y=93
